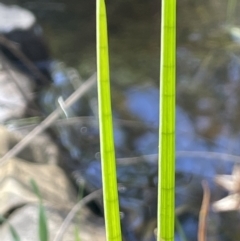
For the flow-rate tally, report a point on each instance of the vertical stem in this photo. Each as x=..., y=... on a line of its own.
x=202, y=226
x=110, y=191
x=166, y=179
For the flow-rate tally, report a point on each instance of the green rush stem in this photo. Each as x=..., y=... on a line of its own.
x=109, y=177
x=166, y=178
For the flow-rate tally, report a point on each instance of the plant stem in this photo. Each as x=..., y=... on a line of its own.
x=109, y=177
x=166, y=177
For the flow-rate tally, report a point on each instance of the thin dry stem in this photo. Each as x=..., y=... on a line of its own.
x=49, y=120
x=73, y=212
x=204, y=212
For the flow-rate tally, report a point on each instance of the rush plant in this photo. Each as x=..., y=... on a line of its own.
x=166, y=178
x=166, y=171
x=109, y=176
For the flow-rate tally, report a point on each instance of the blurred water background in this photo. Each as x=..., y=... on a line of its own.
x=208, y=100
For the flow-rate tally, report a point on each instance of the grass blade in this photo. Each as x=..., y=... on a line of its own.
x=35, y=189
x=14, y=233
x=76, y=234
x=42, y=224
x=166, y=176
x=42, y=219
x=12, y=230
x=109, y=177
x=180, y=230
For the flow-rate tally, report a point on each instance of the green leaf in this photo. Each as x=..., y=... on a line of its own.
x=12, y=230
x=180, y=230
x=76, y=234
x=42, y=224
x=14, y=233
x=42, y=219
x=35, y=189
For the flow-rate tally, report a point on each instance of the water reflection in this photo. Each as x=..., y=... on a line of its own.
x=196, y=117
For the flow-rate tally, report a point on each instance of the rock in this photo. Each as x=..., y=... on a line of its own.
x=15, y=91
x=23, y=19
x=15, y=188
x=25, y=222
x=19, y=203
x=22, y=42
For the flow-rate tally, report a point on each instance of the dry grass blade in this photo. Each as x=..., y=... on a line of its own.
x=49, y=120
x=73, y=212
x=204, y=212
x=209, y=155
x=152, y=158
